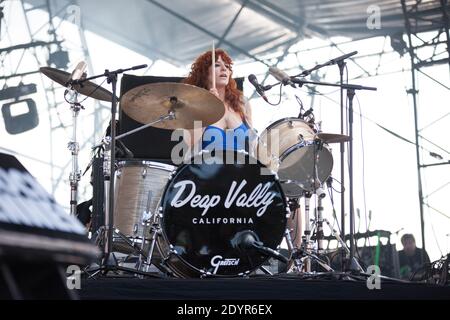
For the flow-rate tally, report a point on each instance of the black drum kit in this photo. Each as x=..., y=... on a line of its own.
x=208, y=217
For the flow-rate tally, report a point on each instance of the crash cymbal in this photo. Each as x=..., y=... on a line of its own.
x=333, y=137
x=89, y=89
x=148, y=102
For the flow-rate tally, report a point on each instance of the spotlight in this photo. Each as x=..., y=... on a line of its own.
x=20, y=115
x=17, y=121
x=398, y=44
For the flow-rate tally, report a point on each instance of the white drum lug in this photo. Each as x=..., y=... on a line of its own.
x=172, y=250
x=144, y=173
x=288, y=210
x=118, y=173
x=275, y=175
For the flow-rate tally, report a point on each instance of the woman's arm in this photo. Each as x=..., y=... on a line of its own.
x=248, y=113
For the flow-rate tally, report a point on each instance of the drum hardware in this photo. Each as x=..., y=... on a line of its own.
x=292, y=250
x=109, y=262
x=74, y=148
x=155, y=231
x=71, y=96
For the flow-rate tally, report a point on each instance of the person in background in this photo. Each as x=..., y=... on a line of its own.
x=411, y=258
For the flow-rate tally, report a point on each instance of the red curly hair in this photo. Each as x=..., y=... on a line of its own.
x=198, y=76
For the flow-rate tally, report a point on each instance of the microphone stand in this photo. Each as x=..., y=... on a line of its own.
x=341, y=65
x=351, y=88
x=340, y=61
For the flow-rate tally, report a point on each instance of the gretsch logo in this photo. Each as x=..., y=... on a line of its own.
x=219, y=261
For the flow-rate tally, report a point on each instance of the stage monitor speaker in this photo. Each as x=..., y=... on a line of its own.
x=38, y=239
x=387, y=259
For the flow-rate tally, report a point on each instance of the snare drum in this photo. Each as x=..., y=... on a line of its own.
x=206, y=208
x=289, y=148
x=138, y=189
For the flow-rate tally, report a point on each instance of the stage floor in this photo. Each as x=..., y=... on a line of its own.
x=277, y=287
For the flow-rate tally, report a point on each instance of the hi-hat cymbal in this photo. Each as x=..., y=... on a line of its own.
x=88, y=88
x=333, y=137
x=149, y=102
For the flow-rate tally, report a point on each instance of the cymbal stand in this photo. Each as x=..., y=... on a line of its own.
x=155, y=231
x=307, y=252
x=74, y=147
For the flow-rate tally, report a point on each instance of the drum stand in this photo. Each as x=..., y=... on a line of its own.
x=105, y=234
x=74, y=148
x=304, y=255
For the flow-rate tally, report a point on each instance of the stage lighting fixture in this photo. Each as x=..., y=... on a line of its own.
x=17, y=92
x=398, y=44
x=59, y=59
x=17, y=121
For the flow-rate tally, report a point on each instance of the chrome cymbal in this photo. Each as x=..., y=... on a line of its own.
x=149, y=102
x=88, y=88
x=333, y=137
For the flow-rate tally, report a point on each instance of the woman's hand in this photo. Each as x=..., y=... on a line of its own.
x=214, y=92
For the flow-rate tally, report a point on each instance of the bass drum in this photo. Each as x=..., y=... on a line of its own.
x=209, y=206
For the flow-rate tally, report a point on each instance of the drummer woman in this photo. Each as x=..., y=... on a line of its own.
x=237, y=119
x=233, y=130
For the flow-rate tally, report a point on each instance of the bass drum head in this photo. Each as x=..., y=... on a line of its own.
x=208, y=205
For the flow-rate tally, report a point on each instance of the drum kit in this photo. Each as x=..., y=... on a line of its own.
x=207, y=217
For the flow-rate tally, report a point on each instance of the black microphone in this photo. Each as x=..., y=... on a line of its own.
x=281, y=76
x=343, y=57
x=77, y=73
x=308, y=112
x=141, y=66
x=259, y=88
x=247, y=239
x=329, y=182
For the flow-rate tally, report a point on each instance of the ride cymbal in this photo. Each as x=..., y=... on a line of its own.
x=333, y=137
x=147, y=103
x=88, y=88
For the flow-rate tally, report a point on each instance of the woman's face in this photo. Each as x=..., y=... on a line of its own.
x=223, y=72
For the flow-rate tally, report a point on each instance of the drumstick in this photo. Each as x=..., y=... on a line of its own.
x=213, y=62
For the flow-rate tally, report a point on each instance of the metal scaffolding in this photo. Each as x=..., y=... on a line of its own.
x=435, y=15
x=48, y=46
